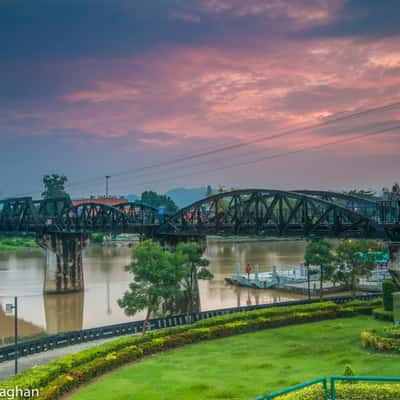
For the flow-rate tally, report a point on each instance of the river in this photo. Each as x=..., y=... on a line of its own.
x=21, y=274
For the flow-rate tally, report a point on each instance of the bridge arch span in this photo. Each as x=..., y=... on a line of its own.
x=268, y=212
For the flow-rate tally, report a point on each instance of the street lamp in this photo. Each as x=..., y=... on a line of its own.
x=9, y=309
x=107, y=185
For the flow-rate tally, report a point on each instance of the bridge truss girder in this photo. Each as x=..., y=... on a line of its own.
x=241, y=212
x=269, y=212
x=60, y=216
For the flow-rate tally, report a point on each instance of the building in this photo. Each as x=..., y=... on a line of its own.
x=109, y=201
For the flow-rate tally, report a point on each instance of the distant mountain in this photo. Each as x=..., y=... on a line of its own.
x=185, y=196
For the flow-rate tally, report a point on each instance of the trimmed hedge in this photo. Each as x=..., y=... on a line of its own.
x=350, y=391
x=388, y=288
x=62, y=375
x=370, y=339
x=392, y=331
x=383, y=315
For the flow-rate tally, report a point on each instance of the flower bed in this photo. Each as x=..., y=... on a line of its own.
x=69, y=372
x=390, y=342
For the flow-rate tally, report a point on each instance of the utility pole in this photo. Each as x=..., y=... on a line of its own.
x=107, y=185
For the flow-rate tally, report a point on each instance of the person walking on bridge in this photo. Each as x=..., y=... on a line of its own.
x=249, y=270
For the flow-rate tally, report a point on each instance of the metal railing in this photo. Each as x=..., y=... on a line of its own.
x=85, y=335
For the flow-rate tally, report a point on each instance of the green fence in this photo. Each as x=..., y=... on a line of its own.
x=323, y=381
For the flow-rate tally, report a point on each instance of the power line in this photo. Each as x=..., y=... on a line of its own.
x=230, y=147
x=242, y=144
x=278, y=155
x=253, y=141
x=257, y=151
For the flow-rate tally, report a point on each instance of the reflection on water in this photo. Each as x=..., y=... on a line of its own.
x=63, y=313
x=21, y=274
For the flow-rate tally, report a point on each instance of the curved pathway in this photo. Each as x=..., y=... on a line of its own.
x=7, y=367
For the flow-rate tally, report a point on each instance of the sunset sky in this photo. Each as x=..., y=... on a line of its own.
x=96, y=87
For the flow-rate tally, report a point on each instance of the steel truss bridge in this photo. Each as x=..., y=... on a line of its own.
x=304, y=213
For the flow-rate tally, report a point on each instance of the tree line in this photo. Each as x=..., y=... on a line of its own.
x=346, y=264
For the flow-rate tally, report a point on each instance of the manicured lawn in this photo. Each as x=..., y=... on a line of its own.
x=245, y=366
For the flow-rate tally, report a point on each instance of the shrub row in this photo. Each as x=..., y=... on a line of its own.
x=380, y=313
x=350, y=391
x=370, y=339
x=392, y=331
x=62, y=375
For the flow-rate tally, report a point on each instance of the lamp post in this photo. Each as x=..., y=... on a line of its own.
x=107, y=185
x=9, y=309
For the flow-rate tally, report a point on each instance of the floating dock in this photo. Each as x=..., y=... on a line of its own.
x=274, y=278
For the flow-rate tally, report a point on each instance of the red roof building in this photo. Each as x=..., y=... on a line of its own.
x=109, y=201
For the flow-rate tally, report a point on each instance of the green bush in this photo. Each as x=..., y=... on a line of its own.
x=388, y=287
x=16, y=243
x=392, y=331
x=97, y=238
x=348, y=370
x=380, y=313
x=62, y=375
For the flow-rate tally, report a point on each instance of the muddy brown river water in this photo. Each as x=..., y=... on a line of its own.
x=21, y=274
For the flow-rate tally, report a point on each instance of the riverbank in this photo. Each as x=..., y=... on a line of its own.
x=10, y=243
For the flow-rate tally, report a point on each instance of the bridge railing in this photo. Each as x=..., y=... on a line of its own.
x=85, y=335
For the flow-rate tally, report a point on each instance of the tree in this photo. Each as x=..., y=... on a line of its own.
x=54, y=186
x=156, y=200
x=353, y=261
x=156, y=279
x=189, y=258
x=388, y=288
x=209, y=191
x=367, y=194
x=319, y=253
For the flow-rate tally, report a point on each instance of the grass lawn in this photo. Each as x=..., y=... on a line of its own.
x=245, y=366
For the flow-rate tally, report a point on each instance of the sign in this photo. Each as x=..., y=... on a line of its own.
x=9, y=308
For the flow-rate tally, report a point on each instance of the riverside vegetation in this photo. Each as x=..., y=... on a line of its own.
x=8, y=243
x=273, y=348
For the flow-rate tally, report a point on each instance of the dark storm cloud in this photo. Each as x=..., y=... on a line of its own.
x=91, y=28
x=68, y=29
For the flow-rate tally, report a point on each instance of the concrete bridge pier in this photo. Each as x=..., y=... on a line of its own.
x=170, y=242
x=394, y=261
x=64, y=272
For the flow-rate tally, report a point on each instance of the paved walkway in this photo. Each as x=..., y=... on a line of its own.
x=7, y=367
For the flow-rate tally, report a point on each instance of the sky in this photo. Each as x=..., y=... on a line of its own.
x=125, y=88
